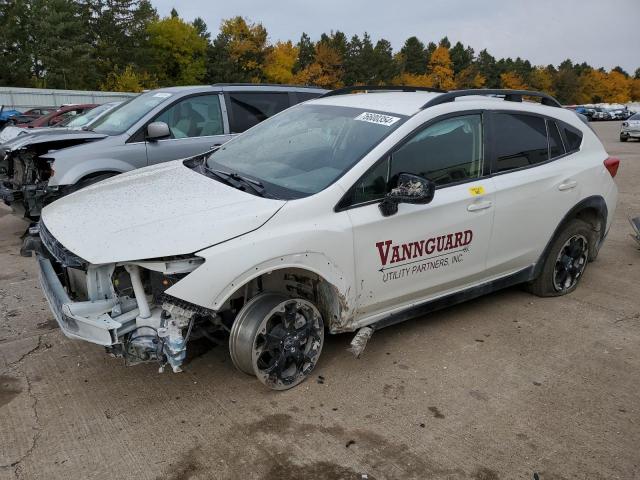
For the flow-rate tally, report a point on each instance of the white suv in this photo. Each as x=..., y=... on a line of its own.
x=347, y=213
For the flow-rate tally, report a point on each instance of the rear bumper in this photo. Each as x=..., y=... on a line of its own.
x=89, y=321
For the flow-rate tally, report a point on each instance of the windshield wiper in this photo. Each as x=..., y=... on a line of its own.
x=238, y=181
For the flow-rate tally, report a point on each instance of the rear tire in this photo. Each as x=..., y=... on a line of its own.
x=566, y=260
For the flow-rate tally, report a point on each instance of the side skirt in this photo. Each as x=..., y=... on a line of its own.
x=474, y=292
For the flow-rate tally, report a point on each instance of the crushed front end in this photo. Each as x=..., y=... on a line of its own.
x=122, y=306
x=23, y=181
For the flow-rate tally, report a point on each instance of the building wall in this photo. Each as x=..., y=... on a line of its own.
x=25, y=98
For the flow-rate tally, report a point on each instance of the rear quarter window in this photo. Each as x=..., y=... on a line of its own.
x=519, y=141
x=573, y=139
x=249, y=109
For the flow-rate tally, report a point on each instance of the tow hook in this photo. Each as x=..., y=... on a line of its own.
x=360, y=341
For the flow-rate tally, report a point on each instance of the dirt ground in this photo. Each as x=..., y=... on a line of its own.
x=497, y=388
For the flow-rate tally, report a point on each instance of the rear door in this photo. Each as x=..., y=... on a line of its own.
x=247, y=109
x=536, y=185
x=196, y=124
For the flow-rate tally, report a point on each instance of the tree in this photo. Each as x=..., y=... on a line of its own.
x=634, y=91
x=444, y=42
x=620, y=70
x=129, y=80
x=279, y=63
x=178, y=51
x=238, y=52
x=64, y=60
x=488, y=69
x=540, y=79
x=174, y=13
x=636, y=75
x=413, y=56
x=461, y=57
x=306, y=52
x=385, y=66
x=470, y=77
x=440, y=70
x=325, y=71
x=512, y=80
x=201, y=27
x=618, y=87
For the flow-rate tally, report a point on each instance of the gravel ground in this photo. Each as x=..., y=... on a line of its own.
x=497, y=388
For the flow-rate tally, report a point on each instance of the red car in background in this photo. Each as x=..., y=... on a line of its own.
x=55, y=116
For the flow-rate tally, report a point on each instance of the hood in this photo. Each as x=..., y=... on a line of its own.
x=36, y=136
x=153, y=212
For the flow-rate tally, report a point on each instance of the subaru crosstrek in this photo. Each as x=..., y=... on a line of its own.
x=346, y=213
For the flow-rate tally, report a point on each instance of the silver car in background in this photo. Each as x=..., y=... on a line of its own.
x=630, y=128
x=154, y=127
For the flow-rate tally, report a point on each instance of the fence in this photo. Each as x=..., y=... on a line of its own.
x=25, y=98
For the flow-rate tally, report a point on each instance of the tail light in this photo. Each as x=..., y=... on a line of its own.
x=612, y=164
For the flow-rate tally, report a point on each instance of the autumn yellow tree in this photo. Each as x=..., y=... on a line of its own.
x=440, y=69
x=540, y=79
x=325, y=71
x=592, y=87
x=470, y=77
x=413, y=79
x=129, y=80
x=278, y=67
x=618, y=87
x=512, y=80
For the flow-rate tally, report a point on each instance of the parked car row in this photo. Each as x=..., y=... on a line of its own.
x=346, y=213
x=603, y=113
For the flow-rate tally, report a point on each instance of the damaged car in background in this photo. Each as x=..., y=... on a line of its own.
x=154, y=127
x=347, y=213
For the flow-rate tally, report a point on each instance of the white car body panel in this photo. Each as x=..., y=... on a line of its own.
x=132, y=227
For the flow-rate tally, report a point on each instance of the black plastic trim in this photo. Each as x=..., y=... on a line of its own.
x=521, y=276
x=509, y=96
x=596, y=202
x=380, y=88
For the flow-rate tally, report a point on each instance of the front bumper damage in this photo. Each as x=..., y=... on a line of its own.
x=138, y=321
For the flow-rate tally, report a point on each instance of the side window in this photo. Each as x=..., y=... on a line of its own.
x=520, y=141
x=303, y=97
x=574, y=139
x=446, y=152
x=194, y=117
x=249, y=109
x=556, y=148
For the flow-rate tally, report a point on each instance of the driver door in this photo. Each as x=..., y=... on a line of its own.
x=424, y=251
x=196, y=126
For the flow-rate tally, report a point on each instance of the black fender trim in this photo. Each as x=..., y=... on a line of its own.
x=593, y=202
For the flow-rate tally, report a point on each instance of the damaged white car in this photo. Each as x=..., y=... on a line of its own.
x=343, y=214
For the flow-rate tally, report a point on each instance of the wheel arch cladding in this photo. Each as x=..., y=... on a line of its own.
x=592, y=210
x=305, y=283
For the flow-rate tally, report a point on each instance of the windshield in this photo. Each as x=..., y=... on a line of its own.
x=635, y=116
x=305, y=148
x=85, y=118
x=120, y=119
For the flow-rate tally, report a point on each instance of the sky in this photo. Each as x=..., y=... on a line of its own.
x=604, y=33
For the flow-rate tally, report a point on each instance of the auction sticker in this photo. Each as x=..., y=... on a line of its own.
x=377, y=118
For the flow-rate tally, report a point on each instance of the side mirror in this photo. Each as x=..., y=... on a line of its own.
x=158, y=130
x=410, y=189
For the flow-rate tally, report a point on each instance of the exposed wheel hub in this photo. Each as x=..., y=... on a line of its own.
x=277, y=339
x=570, y=263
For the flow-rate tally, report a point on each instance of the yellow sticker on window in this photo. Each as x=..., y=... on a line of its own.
x=475, y=191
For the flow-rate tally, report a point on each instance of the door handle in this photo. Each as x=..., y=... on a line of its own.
x=474, y=207
x=567, y=185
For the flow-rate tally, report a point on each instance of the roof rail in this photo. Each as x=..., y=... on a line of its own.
x=383, y=88
x=246, y=84
x=509, y=95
